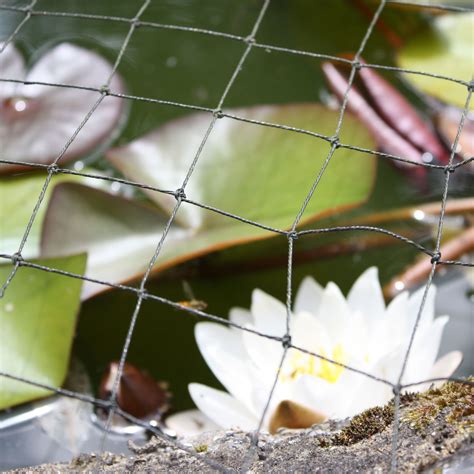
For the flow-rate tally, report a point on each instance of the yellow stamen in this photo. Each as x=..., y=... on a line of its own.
x=300, y=363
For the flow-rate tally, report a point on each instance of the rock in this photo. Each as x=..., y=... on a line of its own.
x=435, y=429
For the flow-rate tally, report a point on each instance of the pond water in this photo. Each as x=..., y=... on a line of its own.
x=194, y=68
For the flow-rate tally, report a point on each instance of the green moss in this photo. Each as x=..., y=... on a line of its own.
x=418, y=410
x=455, y=399
x=201, y=448
x=363, y=426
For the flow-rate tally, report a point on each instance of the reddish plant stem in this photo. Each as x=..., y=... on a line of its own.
x=415, y=274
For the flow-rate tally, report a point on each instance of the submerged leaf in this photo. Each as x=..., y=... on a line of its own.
x=37, y=322
x=397, y=126
x=138, y=393
x=426, y=4
x=448, y=120
x=445, y=49
x=36, y=121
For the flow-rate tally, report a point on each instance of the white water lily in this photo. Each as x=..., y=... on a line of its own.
x=358, y=331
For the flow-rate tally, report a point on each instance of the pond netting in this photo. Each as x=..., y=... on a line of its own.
x=217, y=113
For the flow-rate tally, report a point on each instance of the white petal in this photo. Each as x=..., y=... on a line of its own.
x=264, y=354
x=240, y=316
x=370, y=393
x=389, y=366
x=333, y=311
x=356, y=339
x=221, y=408
x=52, y=114
x=366, y=392
x=398, y=310
x=414, y=304
x=260, y=393
x=12, y=66
x=355, y=392
x=269, y=314
x=366, y=296
x=225, y=355
x=446, y=365
x=424, y=350
x=317, y=394
x=390, y=331
x=308, y=296
x=308, y=333
x=190, y=422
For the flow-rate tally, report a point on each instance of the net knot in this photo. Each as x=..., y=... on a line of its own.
x=293, y=235
x=449, y=169
x=17, y=258
x=470, y=86
x=217, y=113
x=334, y=141
x=436, y=257
x=396, y=389
x=135, y=22
x=179, y=194
x=53, y=168
x=105, y=89
x=112, y=403
x=356, y=64
x=286, y=341
x=249, y=39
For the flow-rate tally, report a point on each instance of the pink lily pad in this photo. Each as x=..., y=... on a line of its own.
x=36, y=121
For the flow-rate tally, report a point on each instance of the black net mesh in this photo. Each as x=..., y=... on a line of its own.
x=218, y=113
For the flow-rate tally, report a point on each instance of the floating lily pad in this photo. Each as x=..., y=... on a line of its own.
x=446, y=49
x=119, y=235
x=256, y=172
x=18, y=196
x=37, y=323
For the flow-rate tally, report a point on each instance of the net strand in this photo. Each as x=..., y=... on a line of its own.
x=20, y=25
x=286, y=340
x=179, y=195
x=434, y=260
x=267, y=47
x=105, y=404
x=201, y=314
x=222, y=114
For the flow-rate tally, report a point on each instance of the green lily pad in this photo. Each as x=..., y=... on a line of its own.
x=18, y=195
x=37, y=324
x=119, y=235
x=446, y=49
x=256, y=172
